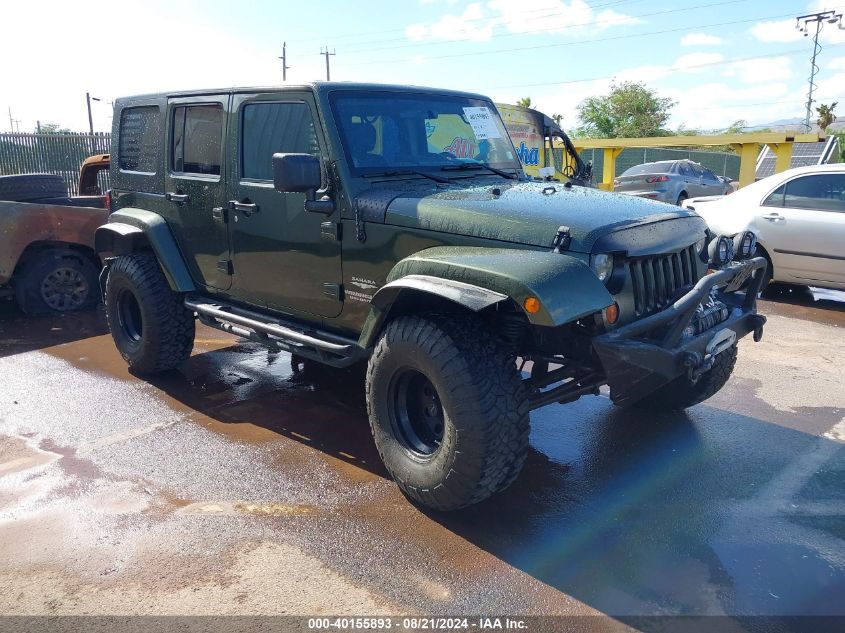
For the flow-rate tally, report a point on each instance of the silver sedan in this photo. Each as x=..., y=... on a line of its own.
x=671, y=181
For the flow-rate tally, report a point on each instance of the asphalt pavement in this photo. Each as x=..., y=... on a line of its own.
x=236, y=485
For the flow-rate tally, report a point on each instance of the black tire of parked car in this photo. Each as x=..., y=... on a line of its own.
x=55, y=281
x=681, y=197
x=448, y=410
x=150, y=325
x=682, y=393
x=29, y=187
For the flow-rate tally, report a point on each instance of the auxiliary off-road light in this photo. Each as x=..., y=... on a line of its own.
x=720, y=251
x=744, y=244
x=611, y=313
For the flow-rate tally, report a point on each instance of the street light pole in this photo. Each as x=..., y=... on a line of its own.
x=802, y=23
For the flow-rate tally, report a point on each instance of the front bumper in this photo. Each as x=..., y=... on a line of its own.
x=642, y=356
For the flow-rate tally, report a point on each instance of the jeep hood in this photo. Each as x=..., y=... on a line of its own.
x=527, y=213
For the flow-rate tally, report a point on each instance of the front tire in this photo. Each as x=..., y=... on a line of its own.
x=448, y=410
x=149, y=323
x=682, y=393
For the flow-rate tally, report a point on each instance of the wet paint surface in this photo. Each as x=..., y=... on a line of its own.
x=182, y=494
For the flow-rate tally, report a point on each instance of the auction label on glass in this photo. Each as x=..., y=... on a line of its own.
x=483, y=123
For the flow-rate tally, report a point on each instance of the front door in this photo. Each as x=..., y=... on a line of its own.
x=285, y=258
x=803, y=225
x=195, y=186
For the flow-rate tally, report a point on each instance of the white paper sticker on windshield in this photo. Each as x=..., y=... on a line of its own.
x=483, y=123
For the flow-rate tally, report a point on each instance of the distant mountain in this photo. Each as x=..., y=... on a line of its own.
x=796, y=124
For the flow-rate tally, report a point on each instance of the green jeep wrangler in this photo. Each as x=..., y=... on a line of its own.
x=391, y=225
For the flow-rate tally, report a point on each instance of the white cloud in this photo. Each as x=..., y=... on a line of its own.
x=836, y=64
x=473, y=25
x=701, y=39
x=715, y=105
x=761, y=70
x=697, y=62
x=575, y=18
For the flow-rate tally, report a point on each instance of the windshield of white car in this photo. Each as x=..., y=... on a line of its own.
x=390, y=131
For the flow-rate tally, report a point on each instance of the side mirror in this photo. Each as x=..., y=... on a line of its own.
x=300, y=173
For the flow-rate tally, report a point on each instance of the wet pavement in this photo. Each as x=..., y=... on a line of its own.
x=236, y=485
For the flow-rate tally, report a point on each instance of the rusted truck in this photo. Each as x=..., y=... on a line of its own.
x=47, y=258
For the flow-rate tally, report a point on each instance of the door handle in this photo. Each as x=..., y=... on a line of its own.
x=246, y=208
x=773, y=217
x=178, y=198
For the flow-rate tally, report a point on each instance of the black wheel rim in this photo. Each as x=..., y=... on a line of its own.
x=64, y=289
x=416, y=412
x=129, y=314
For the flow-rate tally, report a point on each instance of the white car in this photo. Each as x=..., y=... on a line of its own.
x=798, y=216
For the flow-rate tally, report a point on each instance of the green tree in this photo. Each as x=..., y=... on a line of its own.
x=826, y=115
x=525, y=102
x=53, y=128
x=557, y=118
x=630, y=110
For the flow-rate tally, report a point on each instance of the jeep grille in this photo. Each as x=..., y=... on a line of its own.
x=657, y=278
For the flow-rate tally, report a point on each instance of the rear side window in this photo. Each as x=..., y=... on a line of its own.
x=197, y=139
x=140, y=130
x=775, y=199
x=825, y=192
x=269, y=128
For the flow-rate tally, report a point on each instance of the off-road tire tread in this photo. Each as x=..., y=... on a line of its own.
x=174, y=325
x=681, y=393
x=484, y=378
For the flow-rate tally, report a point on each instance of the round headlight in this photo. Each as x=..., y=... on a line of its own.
x=602, y=265
x=745, y=244
x=720, y=251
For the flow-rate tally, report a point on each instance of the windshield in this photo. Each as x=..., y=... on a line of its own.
x=387, y=131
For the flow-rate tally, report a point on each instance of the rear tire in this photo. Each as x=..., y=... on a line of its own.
x=56, y=281
x=29, y=187
x=682, y=393
x=150, y=325
x=447, y=409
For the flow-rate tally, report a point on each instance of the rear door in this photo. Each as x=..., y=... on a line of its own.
x=285, y=258
x=194, y=185
x=803, y=224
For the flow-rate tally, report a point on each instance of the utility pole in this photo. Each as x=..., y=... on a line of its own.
x=285, y=67
x=327, y=53
x=88, y=100
x=11, y=121
x=804, y=24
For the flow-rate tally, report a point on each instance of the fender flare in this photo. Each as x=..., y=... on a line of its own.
x=130, y=230
x=480, y=277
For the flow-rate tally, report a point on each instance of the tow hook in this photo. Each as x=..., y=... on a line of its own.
x=696, y=365
x=758, y=321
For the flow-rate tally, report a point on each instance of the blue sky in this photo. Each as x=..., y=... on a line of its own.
x=721, y=60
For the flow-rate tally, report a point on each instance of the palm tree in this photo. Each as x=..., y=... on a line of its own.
x=525, y=102
x=826, y=115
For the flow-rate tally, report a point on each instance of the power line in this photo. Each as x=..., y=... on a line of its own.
x=578, y=43
x=668, y=70
x=622, y=20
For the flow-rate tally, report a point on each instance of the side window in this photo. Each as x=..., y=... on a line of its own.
x=825, y=192
x=197, y=139
x=269, y=128
x=710, y=176
x=139, y=139
x=684, y=170
x=775, y=199
x=695, y=171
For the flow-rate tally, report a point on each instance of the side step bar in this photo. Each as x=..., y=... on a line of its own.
x=320, y=346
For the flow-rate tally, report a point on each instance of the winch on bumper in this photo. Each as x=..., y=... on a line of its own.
x=641, y=357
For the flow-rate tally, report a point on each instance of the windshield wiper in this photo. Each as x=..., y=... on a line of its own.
x=408, y=172
x=476, y=165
